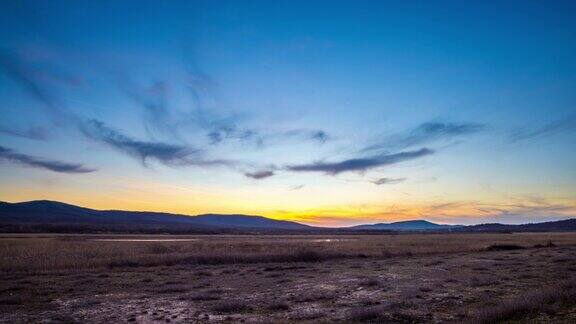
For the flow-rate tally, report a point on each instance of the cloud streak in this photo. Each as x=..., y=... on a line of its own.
x=558, y=126
x=259, y=174
x=383, y=181
x=29, y=78
x=165, y=153
x=219, y=126
x=320, y=136
x=32, y=132
x=169, y=154
x=153, y=100
x=360, y=164
x=9, y=155
x=426, y=133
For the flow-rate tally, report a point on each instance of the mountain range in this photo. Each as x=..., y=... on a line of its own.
x=53, y=216
x=411, y=225
x=53, y=213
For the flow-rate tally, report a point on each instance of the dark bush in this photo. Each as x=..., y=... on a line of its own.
x=380, y=314
x=370, y=282
x=547, y=245
x=504, y=247
x=232, y=306
x=123, y=264
x=307, y=256
x=279, y=306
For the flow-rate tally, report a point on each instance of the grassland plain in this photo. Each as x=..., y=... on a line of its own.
x=288, y=278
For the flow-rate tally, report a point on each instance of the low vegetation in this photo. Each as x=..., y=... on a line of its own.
x=60, y=252
x=504, y=247
x=439, y=278
x=530, y=306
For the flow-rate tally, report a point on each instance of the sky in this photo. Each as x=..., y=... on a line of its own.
x=329, y=113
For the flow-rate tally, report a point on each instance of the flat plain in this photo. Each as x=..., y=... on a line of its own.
x=403, y=278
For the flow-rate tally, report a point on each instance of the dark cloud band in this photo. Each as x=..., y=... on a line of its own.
x=35, y=162
x=383, y=181
x=259, y=174
x=162, y=152
x=425, y=133
x=360, y=164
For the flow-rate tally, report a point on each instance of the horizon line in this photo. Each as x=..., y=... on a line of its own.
x=272, y=218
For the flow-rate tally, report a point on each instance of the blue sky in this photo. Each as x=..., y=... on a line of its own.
x=326, y=112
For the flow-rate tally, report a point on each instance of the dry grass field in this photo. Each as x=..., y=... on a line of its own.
x=406, y=278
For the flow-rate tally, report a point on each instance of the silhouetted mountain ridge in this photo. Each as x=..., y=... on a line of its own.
x=53, y=212
x=553, y=226
x=54, y=216
x=410, y=225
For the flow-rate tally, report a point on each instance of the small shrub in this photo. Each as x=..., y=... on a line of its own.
x=309, y=314
x=278, y=306
x=547, y=245
x=232, y=306
x=203, y=296
x=170, y=290
x=203, y=273
x=478, y=282
x=369, y=302
x=307, y=256
x=368, y=314
x=379, y=314
x=562, y=260
x=123, y=264
x=157, y=249
x=11, y=300
x=370, y=282
x=313, y=296
x=504, y=247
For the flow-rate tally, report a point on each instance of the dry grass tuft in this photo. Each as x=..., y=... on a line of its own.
x=529, y=306
x=278, y=306
x=504, y=247
x=370, y=282
x=381, y=314
x=231, y=306
x=547, y=245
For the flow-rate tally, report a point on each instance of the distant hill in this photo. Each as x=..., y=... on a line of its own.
x=554, y=226
x=411, y=225
x=53, y=213
x=57, y=217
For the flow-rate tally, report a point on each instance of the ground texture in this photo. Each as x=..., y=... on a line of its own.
x=384, y=278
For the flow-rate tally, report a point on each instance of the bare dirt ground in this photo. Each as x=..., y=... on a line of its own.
x=402, y=278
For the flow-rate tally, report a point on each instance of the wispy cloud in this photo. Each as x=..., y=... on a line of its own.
x=315, y=135
x=222, y=131
x=35, y=162
x=320, y=136
x=153, y=100
x=165, y=153
x=360, y=164
x=259, y=174
x=567, y=124
x=383, y=181
x=207, y=113
x=34, y=81
x=425, y=133
x=32, y=132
